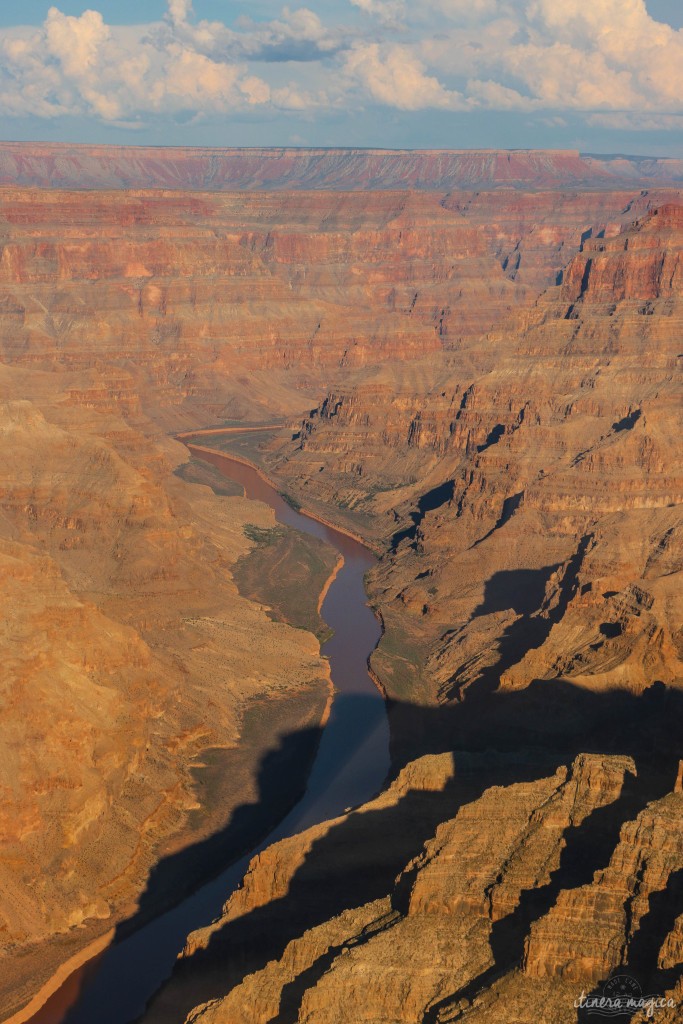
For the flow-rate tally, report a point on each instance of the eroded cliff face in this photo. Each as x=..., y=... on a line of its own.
x=511, y=910
x=128, y=658
x=539, y=537
x=532, y=600
x=201, y=308
x=492, y=379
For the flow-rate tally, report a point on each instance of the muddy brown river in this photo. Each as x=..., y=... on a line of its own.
x=350, y=766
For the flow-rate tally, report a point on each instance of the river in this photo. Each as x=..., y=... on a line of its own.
x=350, y=766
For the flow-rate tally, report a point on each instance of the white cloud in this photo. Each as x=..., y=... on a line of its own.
x=75, y=42
x=395, y=76
x=297, y=35
x=495, y=96
x=197, y=82
x=604, y=58
x=388, y=12
x=626, y=59
x=179, y=11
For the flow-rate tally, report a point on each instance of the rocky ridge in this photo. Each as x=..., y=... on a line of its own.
x=507, y=909
x=54, y=165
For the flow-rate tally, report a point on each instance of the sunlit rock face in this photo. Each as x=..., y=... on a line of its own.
x=532, y=601
x=481, y=382
x=539, y=535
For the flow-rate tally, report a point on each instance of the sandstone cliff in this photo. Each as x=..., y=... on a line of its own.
x=484, y=385
x=510, y=910
x=541, y=535
x=532, y=599
x=127, y=655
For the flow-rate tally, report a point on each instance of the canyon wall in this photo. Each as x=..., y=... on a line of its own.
x=531, y=596
x=499, y=916
x=483, y=384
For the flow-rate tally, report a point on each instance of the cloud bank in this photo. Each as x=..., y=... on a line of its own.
x=608, y=61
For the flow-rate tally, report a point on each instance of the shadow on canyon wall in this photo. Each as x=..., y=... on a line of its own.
x=652, y=981
x=522, y=736
x=146, y=944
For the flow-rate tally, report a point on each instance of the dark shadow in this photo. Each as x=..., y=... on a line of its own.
x=634, y=981
x=588, y=846
x=293, y=993
x=513, y=736
x=281, y=776
x=664, y=908
x=429, y=502
x=494, y=737
x=627, y=422
x=493, y=437
x=522, y=590
x=281, y=781
x=510, y=506
x=358, y=860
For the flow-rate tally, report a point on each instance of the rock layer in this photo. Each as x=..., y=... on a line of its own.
x=54, y=165
x=128, y=655
x=449, y=939
x=531, y=600
x=483, y=384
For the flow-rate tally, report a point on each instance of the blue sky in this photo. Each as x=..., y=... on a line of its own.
x=597, y=75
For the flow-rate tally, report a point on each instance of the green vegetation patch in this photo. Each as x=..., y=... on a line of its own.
x=248, y=445
x=265, y=537
x=400, y=657
x=292, y=502
x=287, y=570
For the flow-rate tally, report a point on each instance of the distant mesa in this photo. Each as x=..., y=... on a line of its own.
x=59, y=165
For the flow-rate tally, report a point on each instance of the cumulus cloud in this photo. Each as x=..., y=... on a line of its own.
x=602, y=58
x=393, y=75
x=179, y=11
x=602, y=54
x=81, y=66
x=389, y=12
x=75, y=42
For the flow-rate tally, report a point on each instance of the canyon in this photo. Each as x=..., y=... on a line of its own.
x=483, y=383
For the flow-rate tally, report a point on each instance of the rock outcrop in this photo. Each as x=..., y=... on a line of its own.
x=531, y=599
x=512, y=908
x=541, y=537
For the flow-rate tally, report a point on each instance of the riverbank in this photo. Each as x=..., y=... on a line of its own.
x=57, y=981
x=334, y=740
x=372, y=545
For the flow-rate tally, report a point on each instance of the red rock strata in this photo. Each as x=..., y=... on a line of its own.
x=533, y=594
x=495, y=403
x=54, y=165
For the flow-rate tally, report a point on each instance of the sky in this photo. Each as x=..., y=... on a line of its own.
x=602, y=76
